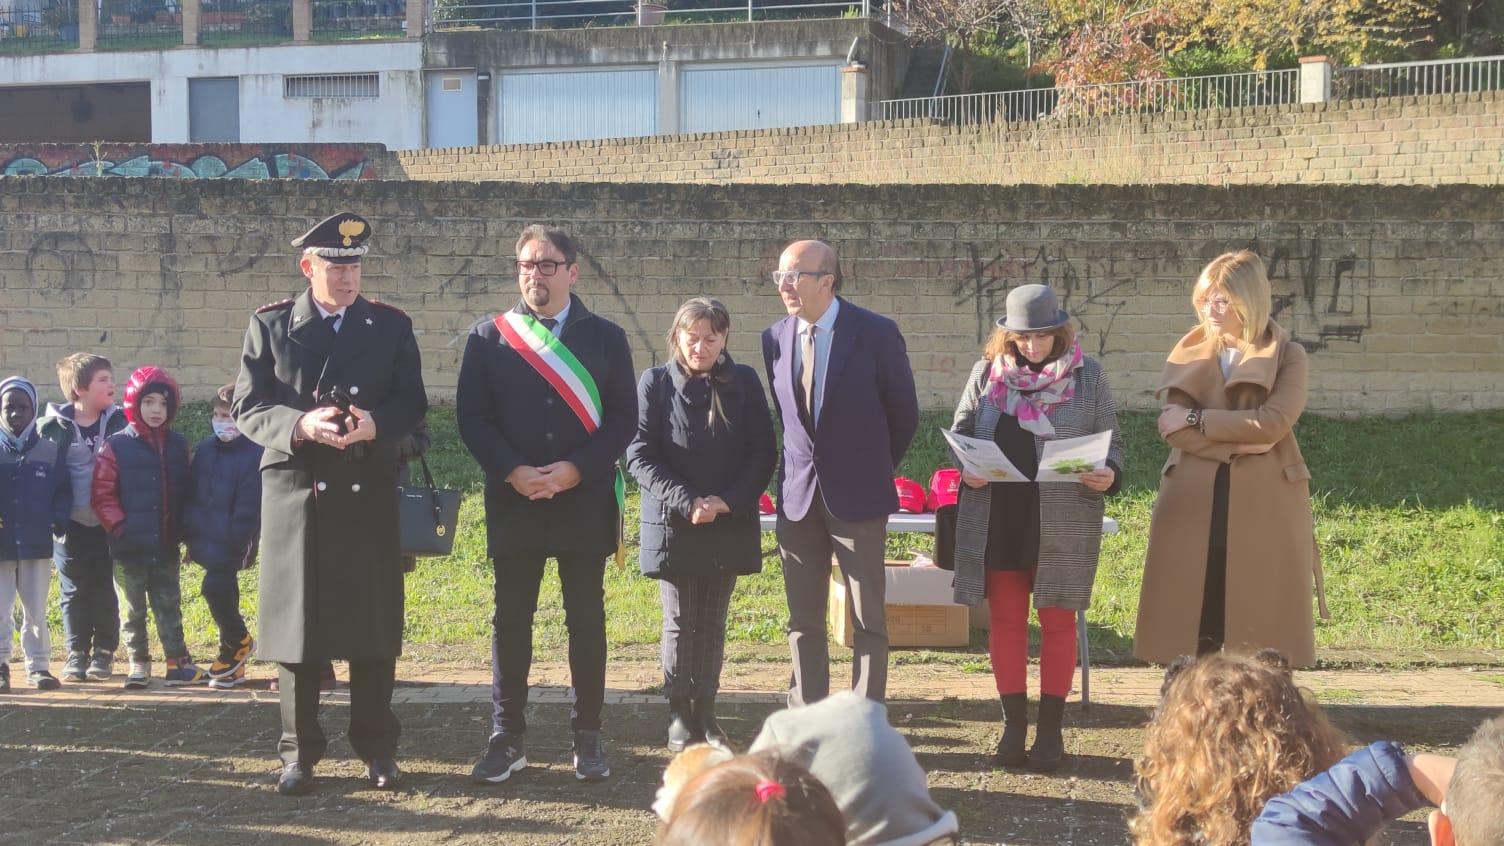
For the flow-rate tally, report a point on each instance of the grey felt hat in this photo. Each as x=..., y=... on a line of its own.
x=1032, y=308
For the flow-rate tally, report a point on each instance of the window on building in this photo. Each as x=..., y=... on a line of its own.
x=332, y=85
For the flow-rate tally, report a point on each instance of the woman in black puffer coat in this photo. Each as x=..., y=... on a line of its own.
x=703, y=454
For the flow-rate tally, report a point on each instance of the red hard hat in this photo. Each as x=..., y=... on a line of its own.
x=765, y=505
x=910, y=495
x=945, y=487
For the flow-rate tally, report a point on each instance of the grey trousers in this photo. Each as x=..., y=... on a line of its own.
x=807, y=546
x=29, y=578
x=156, y=585
x=694, y=632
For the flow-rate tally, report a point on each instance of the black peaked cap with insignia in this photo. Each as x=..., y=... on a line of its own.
x=340, y=238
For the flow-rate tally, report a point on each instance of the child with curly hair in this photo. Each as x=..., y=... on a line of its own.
x=1231, y=733
x=754, y=799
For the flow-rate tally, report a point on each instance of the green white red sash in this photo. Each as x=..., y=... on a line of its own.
x=555, y=363
x=573, y=383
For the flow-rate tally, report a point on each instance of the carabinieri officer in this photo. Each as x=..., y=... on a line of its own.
x=329, y=383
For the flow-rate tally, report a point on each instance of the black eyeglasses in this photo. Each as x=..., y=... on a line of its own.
x=546, y=267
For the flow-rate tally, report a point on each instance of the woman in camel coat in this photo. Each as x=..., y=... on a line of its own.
x=1232, y=553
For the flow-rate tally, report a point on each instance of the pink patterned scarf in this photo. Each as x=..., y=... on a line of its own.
x=1018, y=390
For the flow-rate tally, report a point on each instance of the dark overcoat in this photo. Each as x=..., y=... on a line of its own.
x=679, y=455
x=331, y=572
x=509, y=416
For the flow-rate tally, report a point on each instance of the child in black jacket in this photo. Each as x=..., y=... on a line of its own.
x=220, y=526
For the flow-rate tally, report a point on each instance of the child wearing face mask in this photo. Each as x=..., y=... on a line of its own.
x=36, y=496
x=140, y=487
x=221, y=525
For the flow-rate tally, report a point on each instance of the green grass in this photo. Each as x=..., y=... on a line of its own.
x=30, y=45
x=1408, y=515
x=242, y=38
x=1339, y=696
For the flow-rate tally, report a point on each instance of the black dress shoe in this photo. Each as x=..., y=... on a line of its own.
x=383, y=773
x=295, y=780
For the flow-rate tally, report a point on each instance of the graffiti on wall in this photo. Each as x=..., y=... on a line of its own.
x=1322, y=288
x=1322, y=291
x=1093, y=299
x=193, y=161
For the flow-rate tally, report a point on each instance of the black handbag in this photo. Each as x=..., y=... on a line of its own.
x=427, y=517
x=945, y=537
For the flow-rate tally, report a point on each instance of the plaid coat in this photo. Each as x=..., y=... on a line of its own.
x=1070, y=514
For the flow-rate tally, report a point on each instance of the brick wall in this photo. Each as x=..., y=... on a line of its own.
x=1397, y=291
x=1402, y=140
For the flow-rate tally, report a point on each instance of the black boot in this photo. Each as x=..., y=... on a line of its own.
x=1010, y=750
x=681, y=731
x=710, y=730
x=1049, y=746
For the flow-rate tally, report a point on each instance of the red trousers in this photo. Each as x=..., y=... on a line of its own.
x=1008, y=602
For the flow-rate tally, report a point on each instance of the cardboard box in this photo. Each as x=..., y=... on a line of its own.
x=981, y=617
x=919, y=608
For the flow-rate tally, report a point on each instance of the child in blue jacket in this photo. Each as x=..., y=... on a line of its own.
x=220, y=525
x=1350, y=802
x=36, y=497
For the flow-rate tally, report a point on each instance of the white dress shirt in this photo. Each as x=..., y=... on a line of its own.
x=340, y=314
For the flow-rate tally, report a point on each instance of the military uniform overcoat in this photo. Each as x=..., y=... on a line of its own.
x=331, y=571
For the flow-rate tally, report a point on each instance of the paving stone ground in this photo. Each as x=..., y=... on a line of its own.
x=94, y=763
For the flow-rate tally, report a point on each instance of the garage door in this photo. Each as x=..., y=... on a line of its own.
x=715, y=98
x=576, y=105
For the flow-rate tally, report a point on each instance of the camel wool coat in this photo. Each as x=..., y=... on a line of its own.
x=1272, y=559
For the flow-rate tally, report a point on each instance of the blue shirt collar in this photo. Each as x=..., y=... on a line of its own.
x=827, y=321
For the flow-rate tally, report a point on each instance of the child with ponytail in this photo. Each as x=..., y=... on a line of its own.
x=754, y=800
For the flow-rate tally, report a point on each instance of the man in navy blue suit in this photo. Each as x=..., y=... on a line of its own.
x=844, y=392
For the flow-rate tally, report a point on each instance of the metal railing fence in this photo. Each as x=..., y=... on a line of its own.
x=1416, y=79
x=1258, y=88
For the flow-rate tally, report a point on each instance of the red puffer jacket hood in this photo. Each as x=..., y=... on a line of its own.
x=148, y=380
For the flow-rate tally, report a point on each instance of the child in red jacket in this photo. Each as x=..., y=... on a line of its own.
x=140, y=484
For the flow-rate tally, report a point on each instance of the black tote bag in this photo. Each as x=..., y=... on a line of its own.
x=427, y=517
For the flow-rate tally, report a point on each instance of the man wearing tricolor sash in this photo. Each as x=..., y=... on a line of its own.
x=547, y=404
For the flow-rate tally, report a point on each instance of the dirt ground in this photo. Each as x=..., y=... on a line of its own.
x=92, y=764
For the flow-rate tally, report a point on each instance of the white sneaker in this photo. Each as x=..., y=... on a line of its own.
x=140, y=674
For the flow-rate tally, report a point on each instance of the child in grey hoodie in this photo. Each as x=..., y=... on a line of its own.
x=846, y=742
x=91, y=611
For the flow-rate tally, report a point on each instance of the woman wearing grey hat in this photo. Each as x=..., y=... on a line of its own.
x=1033, y=385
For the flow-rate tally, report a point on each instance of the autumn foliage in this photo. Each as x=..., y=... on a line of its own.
x=1091, y=42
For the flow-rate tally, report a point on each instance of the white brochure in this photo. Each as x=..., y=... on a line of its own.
x=981, y=457
x=1065, y=460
